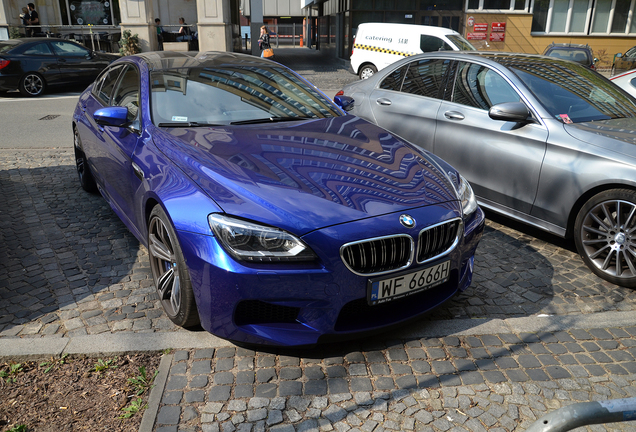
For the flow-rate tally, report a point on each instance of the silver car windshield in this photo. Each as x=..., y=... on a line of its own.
x=572, y=93
x=232, y=95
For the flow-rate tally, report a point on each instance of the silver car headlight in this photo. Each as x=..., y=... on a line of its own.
x=467, y=196
x=248, y=241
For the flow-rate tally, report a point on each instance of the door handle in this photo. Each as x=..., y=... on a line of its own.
x=454, y=115
x=384, y=101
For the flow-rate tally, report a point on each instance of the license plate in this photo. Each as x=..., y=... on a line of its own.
x=392, y=288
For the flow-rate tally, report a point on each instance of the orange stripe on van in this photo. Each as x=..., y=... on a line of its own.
x=383, y=50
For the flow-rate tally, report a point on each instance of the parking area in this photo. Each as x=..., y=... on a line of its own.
x=535, y=331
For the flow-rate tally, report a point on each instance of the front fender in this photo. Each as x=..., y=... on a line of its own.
x=165, y=184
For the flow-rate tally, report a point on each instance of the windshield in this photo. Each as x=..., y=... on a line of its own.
x=233, y=94
x=570, y=92
x=461, y=43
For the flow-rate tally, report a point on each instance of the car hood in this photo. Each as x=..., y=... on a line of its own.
x=618, y=135
x=306, y=175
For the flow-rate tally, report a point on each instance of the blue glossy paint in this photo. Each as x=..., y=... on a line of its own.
x=111, y=116
x=329, y=181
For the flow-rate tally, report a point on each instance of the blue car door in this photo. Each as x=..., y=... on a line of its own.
x=119, y=145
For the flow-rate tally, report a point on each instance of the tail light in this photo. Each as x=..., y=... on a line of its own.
x=340, y=93
x=593, y=67
x=353, y=44
x=4, y=63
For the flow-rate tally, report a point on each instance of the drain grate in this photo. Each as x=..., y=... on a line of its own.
x=50, y=117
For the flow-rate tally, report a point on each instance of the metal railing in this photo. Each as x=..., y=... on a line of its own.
x=286, y=35
x=586, y=413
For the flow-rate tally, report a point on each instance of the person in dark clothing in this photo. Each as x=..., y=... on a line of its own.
x=185, y=34
x=159, y=33
x=34, y=19
x=263, y=40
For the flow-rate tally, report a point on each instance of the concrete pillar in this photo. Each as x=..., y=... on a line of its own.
x=137, y=16
x=214, y=25
x=256, y=21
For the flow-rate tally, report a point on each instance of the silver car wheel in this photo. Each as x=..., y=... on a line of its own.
x=164, y=266
x=607, y=238
x=32, y=85
x=169, y=271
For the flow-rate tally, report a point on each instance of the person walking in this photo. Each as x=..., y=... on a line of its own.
x=34, y=19
x=263, y=40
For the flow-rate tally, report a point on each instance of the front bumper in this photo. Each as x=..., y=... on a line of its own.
x=301, y=305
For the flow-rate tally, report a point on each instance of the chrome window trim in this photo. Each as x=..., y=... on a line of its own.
x=460, y=232
x=407, y=265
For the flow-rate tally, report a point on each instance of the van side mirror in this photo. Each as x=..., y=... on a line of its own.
x=344, y=102
x=619, y=55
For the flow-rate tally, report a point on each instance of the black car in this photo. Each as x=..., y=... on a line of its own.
x=32, y=64
x=574, y=52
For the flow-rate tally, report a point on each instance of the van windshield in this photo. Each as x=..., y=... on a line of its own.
x=461, y=43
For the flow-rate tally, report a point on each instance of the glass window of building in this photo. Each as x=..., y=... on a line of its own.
x=584, y=17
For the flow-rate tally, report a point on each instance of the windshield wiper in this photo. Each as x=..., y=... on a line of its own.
x=271, y=120
x=187, y=124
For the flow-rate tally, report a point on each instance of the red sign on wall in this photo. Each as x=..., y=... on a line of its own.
x=480, y=27
x=477, y=36
x=499, y=27
x=497, y=37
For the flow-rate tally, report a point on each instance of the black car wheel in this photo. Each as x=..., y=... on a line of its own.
x=32, y=84
x=169, y=271
x=605, y=236
x=83, y=170
x=367, y=71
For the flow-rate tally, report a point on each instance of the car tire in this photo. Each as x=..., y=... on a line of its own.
x=605, y=236
x=169, y=271
x=32, y=84
x=367, y=71
x=81, y=164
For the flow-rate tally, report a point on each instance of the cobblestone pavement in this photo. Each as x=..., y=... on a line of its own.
x=472, y=383
x=69, y=267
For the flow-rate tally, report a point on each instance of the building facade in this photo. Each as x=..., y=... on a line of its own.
x=608, y=26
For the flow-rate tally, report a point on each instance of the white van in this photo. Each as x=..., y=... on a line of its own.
x=377, y=45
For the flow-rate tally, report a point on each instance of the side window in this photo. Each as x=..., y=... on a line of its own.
x=433, y=43
x=105, y=83
x=38, y=49
x=69, y=49
x=127, y=92
x=425, y=77
x=393, y=81
x=480, y=87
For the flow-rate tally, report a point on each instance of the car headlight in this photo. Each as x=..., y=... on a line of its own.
x=467, y=196
x=248, y=241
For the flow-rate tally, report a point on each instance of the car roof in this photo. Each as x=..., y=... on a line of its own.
x=164, y=60
x=396, y=26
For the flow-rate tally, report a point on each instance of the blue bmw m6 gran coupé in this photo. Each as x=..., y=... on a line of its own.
x=270, y=215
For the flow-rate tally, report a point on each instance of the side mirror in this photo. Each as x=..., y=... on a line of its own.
x=619, y=55
x=595, y=60
x=344, y=102
x=111, y=116
x=510, y=111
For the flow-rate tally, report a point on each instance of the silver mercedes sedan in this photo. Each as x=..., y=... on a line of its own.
x=544, y=141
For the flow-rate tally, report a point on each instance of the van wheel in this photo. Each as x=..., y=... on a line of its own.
x=367, y=71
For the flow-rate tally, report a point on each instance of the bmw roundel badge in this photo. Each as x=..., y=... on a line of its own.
x=407, y=221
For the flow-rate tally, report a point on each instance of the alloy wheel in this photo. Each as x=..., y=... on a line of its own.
x=608, y=238
x=33, y=84
x=164, y=265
